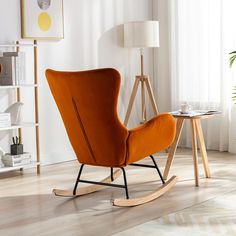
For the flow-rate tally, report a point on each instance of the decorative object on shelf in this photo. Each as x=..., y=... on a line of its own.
x=231, y=61
x=17, y=146
x=7, y=74
x=16, y=160
x=15, y=111
x=42, y=20
x=2, y=153
x=141, y=34
x=12, y=68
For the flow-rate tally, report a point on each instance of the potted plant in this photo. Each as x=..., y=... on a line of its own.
x=231, y=61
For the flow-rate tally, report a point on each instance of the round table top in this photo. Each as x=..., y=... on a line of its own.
x=195, y=114
x=193, y=117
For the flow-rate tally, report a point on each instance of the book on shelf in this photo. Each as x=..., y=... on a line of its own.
x=4, y=116
x=12, y=68
x=1, y=163
x=9, y=54
x=5, y=124
x=20, y=68
x=16, y=160
x=5, y=119
x=193, y=113
x=7, y=73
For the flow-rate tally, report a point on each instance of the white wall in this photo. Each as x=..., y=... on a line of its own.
x=93, y=38
x=161, y=80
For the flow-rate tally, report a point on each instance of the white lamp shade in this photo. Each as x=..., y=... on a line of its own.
x=141, y=34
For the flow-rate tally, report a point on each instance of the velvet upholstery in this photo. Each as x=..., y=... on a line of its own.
x=87, y=101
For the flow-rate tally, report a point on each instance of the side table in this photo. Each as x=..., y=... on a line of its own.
x=197, y=137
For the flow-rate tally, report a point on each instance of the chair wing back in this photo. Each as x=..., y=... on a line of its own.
x=87, y=101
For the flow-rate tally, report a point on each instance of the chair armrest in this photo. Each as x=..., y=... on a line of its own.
x=151, y=137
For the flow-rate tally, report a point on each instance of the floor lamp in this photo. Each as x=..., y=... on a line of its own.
x=141, y=35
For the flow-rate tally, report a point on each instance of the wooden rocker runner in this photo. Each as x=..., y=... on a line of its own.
x=87, y=101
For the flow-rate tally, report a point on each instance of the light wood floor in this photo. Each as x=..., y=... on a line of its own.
x=27, y=206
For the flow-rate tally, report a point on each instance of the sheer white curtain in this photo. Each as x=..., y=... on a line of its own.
x=202, y=33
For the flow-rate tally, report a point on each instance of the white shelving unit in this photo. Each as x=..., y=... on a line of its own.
x=34, y=124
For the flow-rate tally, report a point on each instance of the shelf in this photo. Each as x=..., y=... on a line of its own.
x=8, y=168
x=18, y=86
x=18, y=45
x=32, y=48
x=22, y=125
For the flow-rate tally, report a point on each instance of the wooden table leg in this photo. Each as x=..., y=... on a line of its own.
x=179, y=126
x=194, y=150
x=202, y=147
x=131, y=101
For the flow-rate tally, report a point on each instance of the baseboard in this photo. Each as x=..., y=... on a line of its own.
x=54, y=157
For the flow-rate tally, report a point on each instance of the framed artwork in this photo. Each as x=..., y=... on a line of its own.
x=42, y=19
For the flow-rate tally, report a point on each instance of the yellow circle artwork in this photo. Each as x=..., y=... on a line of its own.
x=44, y=21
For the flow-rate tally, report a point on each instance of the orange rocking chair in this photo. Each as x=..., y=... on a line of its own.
x=87, y=101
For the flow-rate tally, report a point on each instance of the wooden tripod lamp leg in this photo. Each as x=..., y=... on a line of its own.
x=144, y=113
x=151, y=95
x=131, y=101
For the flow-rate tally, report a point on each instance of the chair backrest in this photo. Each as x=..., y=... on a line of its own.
x=87, y=101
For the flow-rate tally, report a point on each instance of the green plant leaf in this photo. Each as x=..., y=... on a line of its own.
x=231, y=60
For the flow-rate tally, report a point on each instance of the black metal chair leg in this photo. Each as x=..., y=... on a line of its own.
x=159, y=172
x=125, y=181
x=78, y=178
x=112, y=177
